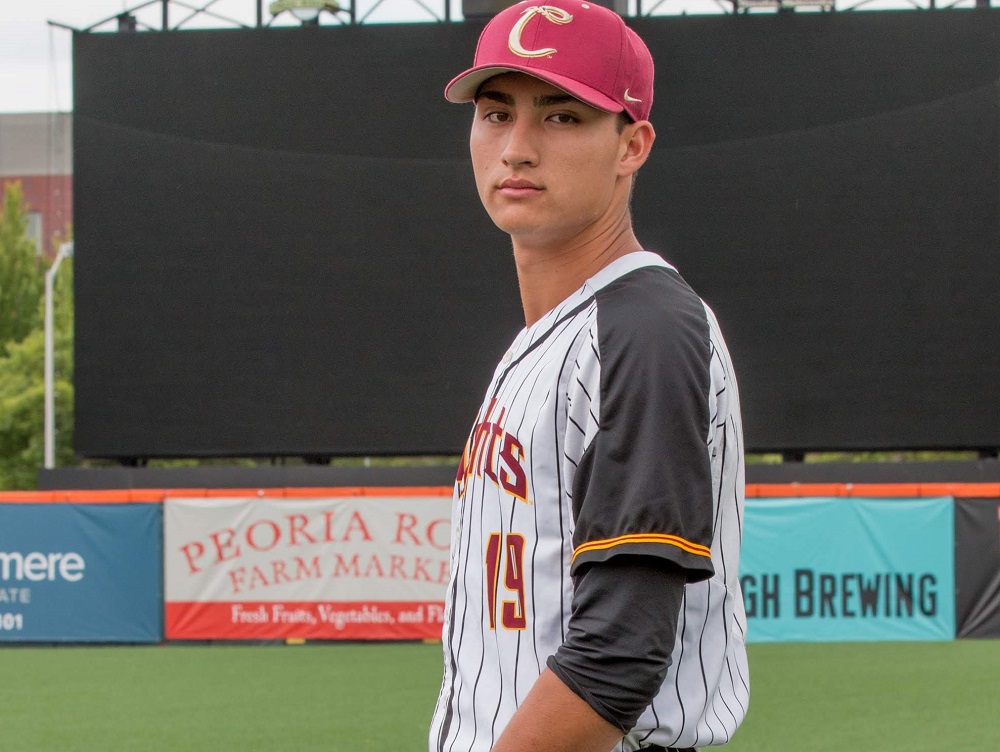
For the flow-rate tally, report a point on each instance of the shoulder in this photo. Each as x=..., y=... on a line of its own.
x=651, y=312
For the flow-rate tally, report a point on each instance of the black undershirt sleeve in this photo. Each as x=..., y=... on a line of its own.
x=621, y=635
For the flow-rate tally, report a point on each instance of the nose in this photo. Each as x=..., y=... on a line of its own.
x=521, y=147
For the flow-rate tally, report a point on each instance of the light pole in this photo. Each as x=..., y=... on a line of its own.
x=65, y=251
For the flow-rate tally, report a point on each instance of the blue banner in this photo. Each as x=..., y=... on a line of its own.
x=849, y=569
x=81, y=573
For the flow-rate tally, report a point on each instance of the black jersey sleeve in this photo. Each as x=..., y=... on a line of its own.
x=643, y=485
x=620, y=637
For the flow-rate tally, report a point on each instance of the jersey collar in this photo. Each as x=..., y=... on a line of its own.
x=622, y=266
x=617, y=268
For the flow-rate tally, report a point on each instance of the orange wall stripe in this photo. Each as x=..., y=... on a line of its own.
x=157, y=495
x=408, y=491
x=795, y=489
x=753, y=490
x=899, y=490
x=241, y=492
x=25, y=497
x=183, y=493
x=968, y=490
x=300, y=493
x=883, y=490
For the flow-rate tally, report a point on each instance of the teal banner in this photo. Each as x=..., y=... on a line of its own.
x=845, y=569
x=81, y=573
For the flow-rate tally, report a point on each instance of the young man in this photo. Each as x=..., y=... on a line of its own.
x=594, y=602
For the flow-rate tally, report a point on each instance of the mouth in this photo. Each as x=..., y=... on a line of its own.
x=518, y=188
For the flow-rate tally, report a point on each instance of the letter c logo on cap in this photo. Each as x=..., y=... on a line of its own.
x=553, y=14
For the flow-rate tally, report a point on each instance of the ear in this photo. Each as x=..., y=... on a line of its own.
x=635, y=144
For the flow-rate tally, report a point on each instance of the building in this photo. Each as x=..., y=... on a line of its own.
x=36, y=149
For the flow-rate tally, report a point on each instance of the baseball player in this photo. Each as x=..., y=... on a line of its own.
x=594, y=603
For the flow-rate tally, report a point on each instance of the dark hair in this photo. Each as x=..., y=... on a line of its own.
x=623, y=119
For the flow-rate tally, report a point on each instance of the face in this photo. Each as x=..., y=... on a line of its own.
x=549, y=169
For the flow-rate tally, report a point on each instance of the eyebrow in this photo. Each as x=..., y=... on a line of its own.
x=546, y=100
x=496, y=96
x=550, y=99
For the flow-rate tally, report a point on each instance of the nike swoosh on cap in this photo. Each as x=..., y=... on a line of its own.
x=630, y=98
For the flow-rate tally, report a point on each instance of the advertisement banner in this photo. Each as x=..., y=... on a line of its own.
x=358, y=568
x=833, y=569
x=977, y=567
x=80, y=573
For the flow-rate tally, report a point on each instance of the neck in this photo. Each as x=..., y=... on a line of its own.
x=548, y=273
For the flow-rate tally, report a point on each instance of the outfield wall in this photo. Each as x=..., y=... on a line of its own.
x=821, y=562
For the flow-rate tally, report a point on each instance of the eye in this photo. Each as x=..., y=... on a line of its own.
x=496, y=116
x=564, y=118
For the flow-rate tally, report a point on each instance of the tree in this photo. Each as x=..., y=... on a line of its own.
x=22, y=272
x=22, y=392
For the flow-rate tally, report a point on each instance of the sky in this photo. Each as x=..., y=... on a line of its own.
x=35, y=57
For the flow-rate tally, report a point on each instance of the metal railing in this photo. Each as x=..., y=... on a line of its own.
x=164, y=15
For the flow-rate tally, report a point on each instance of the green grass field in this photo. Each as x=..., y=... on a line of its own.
x=885, y=697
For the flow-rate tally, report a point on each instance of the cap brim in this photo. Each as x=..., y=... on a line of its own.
x=464, y=86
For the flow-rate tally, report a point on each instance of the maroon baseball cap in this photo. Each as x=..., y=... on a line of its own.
x=582, y=48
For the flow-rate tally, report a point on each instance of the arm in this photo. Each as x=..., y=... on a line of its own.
x=616, y=654
x=553, y=718
x=642, y=502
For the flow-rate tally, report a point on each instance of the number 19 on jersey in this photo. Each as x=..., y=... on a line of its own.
x=507, y=550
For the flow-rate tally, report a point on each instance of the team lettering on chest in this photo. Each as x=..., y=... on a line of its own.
x=494, y=453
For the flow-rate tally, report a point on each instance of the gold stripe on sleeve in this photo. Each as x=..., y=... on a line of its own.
x=671, y=540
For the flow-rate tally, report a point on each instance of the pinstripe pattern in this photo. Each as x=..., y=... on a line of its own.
x=542, y=412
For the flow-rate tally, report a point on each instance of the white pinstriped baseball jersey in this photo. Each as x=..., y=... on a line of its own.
x=611, y=425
